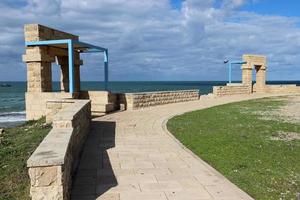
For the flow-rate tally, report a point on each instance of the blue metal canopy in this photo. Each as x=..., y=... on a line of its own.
x=230, y=63
x=81, y=47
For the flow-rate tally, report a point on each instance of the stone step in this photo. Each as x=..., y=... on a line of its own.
x=102, y=108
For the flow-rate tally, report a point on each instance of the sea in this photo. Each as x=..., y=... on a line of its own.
x=12, y=99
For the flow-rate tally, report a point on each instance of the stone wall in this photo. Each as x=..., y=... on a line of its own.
x=54, y=106
x=232, y=89
x=101, y=101
x=52, y=164
x=146, y=99
x=277, y=89
x=36, y=102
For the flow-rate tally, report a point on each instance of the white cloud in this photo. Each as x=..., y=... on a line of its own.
x=151, y=40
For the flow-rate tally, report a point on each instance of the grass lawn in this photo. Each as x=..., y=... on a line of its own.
x=238, y=143
x=16, y=145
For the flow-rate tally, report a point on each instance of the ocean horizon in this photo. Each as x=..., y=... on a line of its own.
x=12, y=99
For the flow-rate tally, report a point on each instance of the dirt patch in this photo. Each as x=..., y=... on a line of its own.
x=286, y=136
x=289, y=112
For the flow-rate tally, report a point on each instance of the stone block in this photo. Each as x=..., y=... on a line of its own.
x=45, y=176
x=53, y=162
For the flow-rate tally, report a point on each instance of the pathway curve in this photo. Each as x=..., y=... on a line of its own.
x=131, y=156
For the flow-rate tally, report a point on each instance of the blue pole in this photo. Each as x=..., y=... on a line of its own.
x=106, y=70
x=71, y=66
x=230, y=68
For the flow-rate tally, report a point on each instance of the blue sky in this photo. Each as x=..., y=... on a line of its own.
x=176, y=4
x=161, y=39
x=289, y=8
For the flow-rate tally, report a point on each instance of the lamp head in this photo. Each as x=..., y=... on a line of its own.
x=226, y=61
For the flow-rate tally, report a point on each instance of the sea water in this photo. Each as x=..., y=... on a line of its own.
x=12, y=99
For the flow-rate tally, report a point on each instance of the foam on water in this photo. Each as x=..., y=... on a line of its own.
x=12, y=117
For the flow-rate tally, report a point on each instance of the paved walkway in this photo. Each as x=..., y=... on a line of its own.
x=131, y=156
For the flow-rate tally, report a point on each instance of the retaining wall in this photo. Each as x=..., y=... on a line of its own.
x=52, y=164
x=133, y=101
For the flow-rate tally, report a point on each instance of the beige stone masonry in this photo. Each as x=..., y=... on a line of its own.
x=258, y=63
x=101, y=101
x=54, y=106
x=232, y=90
x=52, y=164
x=146, y=99
x=36, y=32
x=36, y=102
x=277, y=89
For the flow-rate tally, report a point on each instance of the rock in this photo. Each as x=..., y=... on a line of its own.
x=1, y=131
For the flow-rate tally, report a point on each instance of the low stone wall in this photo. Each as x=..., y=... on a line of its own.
x=133, y=101
x=101, y=101
x=232, y=89
x=52, y=164
x=54, y=106
x=36, y=102
x=277, y=89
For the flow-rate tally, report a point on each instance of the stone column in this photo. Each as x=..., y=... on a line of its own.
x=77, y=63
x=260, y=76
x=64, y=81
x=39, y=74
x=77, y=77
x=64, y=75
x=247, y=74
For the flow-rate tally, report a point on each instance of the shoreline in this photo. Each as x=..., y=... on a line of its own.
x=12, y=119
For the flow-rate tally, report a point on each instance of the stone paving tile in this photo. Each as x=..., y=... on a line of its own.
x=200, y=194
x=153, y=171
x=108, y=196
x=143, y=196
x=129, y=155
x=163, y=186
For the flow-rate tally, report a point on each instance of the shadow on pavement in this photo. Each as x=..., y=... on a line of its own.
x=94, y=175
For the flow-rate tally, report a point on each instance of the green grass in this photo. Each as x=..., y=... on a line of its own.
x=236, y=142
x=16, y=146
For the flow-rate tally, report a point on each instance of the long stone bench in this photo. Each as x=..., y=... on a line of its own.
x=52, y=164
x=147, y=99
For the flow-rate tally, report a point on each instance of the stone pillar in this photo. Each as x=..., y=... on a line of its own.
x=260, y=76
x=64, y=78
x=39, y=74
x=77, y=77
x=64, y=75
x=64, y=81
x=77, y=63
x=247, y=74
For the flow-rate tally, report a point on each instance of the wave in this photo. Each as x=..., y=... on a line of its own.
x=12, y=116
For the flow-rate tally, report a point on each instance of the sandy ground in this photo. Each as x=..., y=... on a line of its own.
x=290, y=112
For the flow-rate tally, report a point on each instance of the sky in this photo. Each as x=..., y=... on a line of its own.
x=158, y=40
